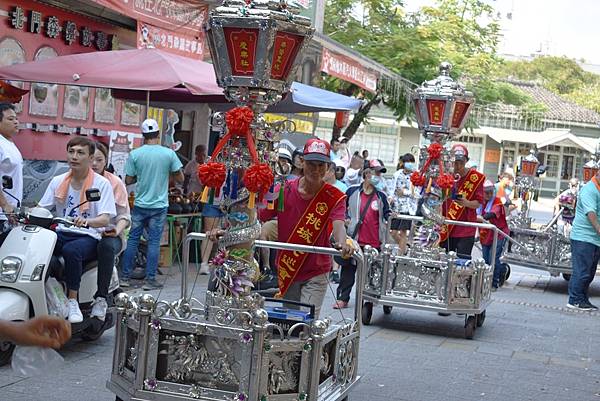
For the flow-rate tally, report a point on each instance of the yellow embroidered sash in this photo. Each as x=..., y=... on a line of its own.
x=306, y=232
x=455, y=210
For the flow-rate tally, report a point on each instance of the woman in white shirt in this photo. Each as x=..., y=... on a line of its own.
x=404, y=199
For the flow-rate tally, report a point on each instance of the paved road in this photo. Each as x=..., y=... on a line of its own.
x=530, y=348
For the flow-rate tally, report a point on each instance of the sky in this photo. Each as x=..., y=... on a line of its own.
x=555, y=27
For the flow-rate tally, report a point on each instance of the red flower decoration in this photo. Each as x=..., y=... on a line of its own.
x=258, y=178
x=435, y=150
x=445, y=181
x=238, y=120
x=417, y=179
x=212, y=174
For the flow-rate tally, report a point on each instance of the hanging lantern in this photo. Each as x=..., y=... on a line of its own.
x=255, y=47
x=529, y=164
x=442, y=105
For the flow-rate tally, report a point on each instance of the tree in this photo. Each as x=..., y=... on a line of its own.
x=463, y=32
x=560, y=75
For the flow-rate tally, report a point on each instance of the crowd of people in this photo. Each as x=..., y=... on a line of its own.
x=332, y=198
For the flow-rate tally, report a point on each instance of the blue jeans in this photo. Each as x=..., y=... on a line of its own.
x=153, y=220
x=487, y=256
x=76, y=249
x=584, y=259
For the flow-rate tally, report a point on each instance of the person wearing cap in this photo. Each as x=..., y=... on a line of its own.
x=149, y=167
x=354, y=172
x=585, y=245
x=378, y=170
x=467, y=196
x=368, y=210
x=492, y=211
x=191, y=183
x=313, y=211
x=404, y=197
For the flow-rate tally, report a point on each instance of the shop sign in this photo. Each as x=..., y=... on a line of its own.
x=185, y=16
x=343, y=67
x=301, y=126
x=173, y=42
x=34, y=22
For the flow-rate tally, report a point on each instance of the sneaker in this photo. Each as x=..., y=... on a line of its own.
x=582, y=306
x=204, y=268
x=75, y=315
x=124, y=282
x=99, y=307
x=340, y=305
x=335, y=277
x=151, y=284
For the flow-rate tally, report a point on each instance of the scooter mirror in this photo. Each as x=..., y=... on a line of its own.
x=92, y=195
x=7, y=182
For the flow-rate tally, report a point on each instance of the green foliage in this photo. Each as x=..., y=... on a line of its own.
x=463, y=32
x=560, y=75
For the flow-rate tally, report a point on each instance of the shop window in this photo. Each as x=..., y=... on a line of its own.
x=43, y=98
x=568, y=163
x=508, y=159
x=11, y=52
x=509, y=144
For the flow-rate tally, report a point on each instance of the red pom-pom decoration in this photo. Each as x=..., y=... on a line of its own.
x=212, y=174
x=258, y=178
x=445, y=181
x=238, y=120
x=435, y=150
x=417, y=179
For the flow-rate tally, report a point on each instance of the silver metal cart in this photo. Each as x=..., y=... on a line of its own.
x=231, y=350
x=547, y=248
x=429, y=279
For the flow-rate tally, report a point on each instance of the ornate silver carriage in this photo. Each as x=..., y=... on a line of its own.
x=428, y=279
x=230, y=349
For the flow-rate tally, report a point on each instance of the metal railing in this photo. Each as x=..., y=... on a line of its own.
x=357, y=256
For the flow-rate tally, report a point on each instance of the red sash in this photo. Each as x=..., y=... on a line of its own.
x=455, y=210
x=313, y=222
x=484, y=232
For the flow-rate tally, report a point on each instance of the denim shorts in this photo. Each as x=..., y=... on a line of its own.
x=211, y=211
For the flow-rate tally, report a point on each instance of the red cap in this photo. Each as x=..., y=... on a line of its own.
x=460, y=152
x=317, y=150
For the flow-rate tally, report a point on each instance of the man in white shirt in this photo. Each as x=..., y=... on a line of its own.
x=11, y=164
x=77, y=244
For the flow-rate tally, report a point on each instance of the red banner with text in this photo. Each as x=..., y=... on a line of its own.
x=345, y=68
x=174, y=42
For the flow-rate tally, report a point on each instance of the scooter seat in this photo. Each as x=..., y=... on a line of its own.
x=57, y=267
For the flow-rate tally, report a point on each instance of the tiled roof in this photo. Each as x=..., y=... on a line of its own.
x=558, y=108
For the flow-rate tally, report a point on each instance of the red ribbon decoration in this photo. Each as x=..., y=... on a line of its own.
x=212, y=174
x=435, y=150
x=239, y=120
x=258, y=178
x=445, y=181
x=417, y=179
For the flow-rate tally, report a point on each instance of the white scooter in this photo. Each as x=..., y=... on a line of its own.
x=26, y=263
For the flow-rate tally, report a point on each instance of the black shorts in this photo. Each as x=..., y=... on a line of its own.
x=401, y=224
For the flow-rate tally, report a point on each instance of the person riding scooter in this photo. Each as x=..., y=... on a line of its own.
x=66, y=193
x=113, y=238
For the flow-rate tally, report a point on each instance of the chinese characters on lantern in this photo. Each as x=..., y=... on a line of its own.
x=241, y=49
x=53, y=27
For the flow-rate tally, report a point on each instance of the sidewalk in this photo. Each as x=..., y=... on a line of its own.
x=529, y=348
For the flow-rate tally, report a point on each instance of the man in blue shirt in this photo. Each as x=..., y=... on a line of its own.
x=585, y=245
x=150, y=167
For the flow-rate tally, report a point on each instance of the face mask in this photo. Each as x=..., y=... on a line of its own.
x=409, y=166
x=377, y=182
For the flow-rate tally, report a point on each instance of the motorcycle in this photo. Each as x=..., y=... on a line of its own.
x=26, y=264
